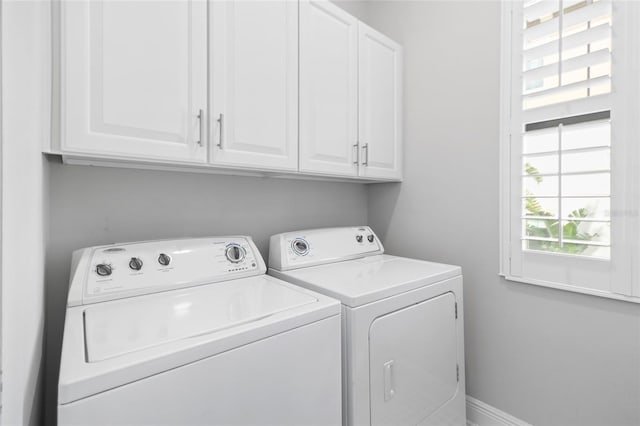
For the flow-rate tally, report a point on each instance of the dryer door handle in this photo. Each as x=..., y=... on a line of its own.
x=389, y=385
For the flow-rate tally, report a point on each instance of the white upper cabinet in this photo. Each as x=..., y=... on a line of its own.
x=328, y=89
x=134, y=78
x=254, y=77
x=380, y=105
x=262, y=85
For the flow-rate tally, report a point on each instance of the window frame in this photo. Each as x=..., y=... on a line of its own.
x=621, y=271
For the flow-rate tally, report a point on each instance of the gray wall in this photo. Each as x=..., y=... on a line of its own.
x=548, y=357
x=358, y=8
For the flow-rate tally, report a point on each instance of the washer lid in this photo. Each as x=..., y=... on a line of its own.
x=110, y=344
x=361, y=281
x=142, y=322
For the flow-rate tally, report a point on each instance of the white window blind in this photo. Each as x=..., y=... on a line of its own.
x=566, y=58
x=560, y=120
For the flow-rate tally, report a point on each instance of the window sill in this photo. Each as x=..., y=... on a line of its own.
x=573, y=289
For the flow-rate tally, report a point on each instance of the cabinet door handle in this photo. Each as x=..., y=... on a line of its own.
x=357, y=151
x=200, y=127
x=365, y=152
x=220, y=121
x=389, y=380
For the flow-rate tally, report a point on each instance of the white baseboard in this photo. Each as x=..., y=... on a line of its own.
x=481, y=414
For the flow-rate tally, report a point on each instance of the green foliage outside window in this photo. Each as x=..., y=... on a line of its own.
x=550, y=228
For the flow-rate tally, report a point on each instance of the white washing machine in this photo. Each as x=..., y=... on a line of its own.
x=403, y=347
x=184, y=332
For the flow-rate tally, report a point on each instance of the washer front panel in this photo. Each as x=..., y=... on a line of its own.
x=279, y=387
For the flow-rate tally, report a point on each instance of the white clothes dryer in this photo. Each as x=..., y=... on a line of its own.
x=184, y=332
x=402, y=326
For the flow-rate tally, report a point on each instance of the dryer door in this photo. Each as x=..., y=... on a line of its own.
x=413, y=362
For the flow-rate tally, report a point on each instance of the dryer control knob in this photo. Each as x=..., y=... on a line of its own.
x=164, y=259
x=370, y=238
x=235, y=253
x=135, y=263
x=300, y=246
x=103, y=270
x=359, y=238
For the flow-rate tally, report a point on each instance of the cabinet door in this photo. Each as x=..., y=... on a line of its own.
x=380, y=105
x=134, y=78
x=328, y=89
x=413, y=359
x=254, y=74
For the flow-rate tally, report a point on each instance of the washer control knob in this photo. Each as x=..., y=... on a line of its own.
x=164, y=259
x=103, y=270
x=135, y=263
x=235, y=253
x=300, y=246
x=370, y=237
x=359, y=238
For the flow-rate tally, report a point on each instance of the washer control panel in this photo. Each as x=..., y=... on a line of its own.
x=122, y=270
x=296, y=249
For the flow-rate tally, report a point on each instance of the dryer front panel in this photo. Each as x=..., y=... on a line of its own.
x=413, y=361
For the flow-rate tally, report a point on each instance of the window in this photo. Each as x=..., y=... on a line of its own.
x=568, y=152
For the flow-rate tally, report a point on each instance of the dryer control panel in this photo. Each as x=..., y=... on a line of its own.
x=297, y=249
x=124, y=270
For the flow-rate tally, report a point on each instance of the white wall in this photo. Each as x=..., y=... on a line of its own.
x=548, y=357
x=25, y=85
